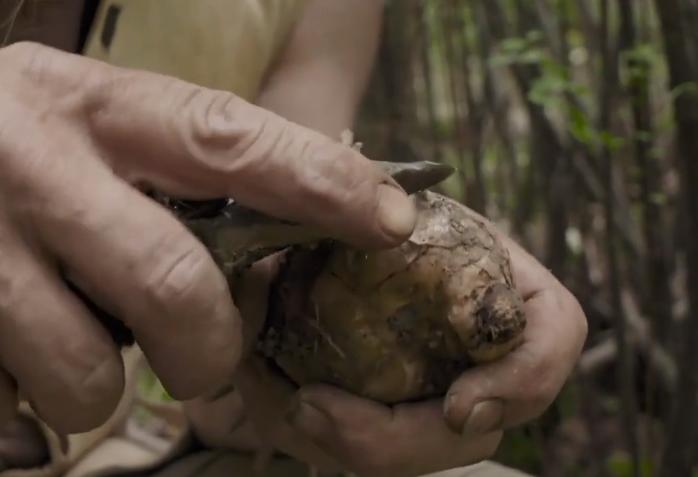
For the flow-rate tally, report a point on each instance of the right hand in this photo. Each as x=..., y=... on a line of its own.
x=324, y=426
x=77, y=137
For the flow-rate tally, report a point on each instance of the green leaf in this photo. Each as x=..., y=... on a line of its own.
x=688, y=88
x=659, y=198
x=644, y=136
x=611, y=141
x=581, y=127
x=513, y=45
x=620, y=465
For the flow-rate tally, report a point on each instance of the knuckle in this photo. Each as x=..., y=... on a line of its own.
x=542, y=384
x=81, y=391
x=210, y=123
x=98, y=390
x=177, y=274
x=21, y=50
x=30, y=60
x=62, y=81
x=17, y=289
x=340, y=175
x=212, y=114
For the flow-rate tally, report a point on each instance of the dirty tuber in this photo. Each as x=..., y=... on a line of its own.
x=399, y=324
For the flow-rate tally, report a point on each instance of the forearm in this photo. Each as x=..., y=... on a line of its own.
x=322, y=74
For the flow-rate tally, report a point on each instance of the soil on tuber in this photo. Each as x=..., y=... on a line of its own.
x=400, y=324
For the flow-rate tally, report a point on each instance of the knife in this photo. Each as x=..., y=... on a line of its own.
x=237, y=236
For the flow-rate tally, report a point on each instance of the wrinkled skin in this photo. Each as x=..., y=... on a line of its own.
x=79, y=142
x=335, y=429
x=400, y=324
x=351, y=432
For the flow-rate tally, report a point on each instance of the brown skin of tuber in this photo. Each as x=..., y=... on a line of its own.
x=400, y=324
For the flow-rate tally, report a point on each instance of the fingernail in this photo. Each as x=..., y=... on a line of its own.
x=485, y=417
x=450, y=410
x=396, y=212
x=308, y=419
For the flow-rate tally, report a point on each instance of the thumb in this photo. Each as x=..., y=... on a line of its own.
x=194, y=142
x=520, y=386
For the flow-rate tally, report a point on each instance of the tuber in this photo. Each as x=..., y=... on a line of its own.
x=393, y=325
x=399, y=324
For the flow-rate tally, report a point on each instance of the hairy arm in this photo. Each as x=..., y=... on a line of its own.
x=321, y=76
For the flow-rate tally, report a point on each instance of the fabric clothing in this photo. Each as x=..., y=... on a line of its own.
x=220, y=44
x=212, y=463
x=89, y=11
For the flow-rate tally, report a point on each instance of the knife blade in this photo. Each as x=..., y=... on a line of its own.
x=237, y=236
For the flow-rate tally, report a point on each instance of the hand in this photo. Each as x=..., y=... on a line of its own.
x=334, y=429
x=520, y=387
x=321, y=425
x=77, y=140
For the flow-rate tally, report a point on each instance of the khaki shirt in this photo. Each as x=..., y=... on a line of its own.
x=221, y=44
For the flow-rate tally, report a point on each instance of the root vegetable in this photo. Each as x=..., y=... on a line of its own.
x=400, y=324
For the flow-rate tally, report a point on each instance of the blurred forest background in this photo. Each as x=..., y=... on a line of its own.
x=574, y=125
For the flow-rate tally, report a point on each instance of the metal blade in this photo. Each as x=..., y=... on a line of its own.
x=416, y=176
x=237, y=236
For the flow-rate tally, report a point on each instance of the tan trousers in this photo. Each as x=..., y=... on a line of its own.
x=229, y=464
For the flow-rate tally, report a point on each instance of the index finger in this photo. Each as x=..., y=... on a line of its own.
x=195, y=142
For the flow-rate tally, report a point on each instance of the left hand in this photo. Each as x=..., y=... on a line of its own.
x=333, y=429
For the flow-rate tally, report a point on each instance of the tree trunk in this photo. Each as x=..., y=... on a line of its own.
x=624, y=363
x=424, y=36
x=547, y=152
x=680, y=448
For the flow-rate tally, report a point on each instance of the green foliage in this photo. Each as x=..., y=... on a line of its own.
x=510, y=78
x=643, y=54
x=620, y=465
x=568, y=401
x=150, y=388
x=581, y=127
x=554, y=80
x=553, y=84
x=556, y=90
x=520, y=50
x=520, y=450
x=689, y=88
x=611, y=141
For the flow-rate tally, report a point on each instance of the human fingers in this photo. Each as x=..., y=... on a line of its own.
x=58, y=354
x=520, y=386
x=371, y=439
x=195, y=142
